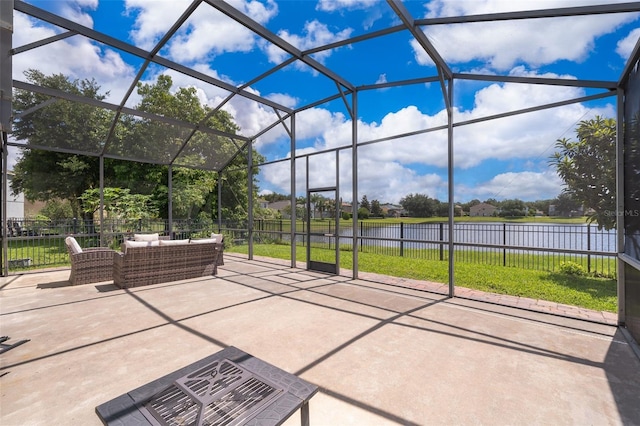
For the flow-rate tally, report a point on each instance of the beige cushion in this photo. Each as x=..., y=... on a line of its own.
x=128, y=244
x=145, y=237
x=73, y=244
x=173, y=242
x=217, y=237
x=204, y=241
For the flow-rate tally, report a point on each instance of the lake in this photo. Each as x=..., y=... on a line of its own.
x=551, y=236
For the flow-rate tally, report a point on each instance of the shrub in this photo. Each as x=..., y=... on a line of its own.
x=363, y=213
x=57, y=210
x=572, y=268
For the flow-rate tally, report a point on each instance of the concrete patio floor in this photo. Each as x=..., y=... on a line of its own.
x=381, y=354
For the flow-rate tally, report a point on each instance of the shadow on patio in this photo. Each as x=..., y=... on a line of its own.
x=381, y=354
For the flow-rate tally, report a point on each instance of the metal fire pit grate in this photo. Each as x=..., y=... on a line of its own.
x=220, y=393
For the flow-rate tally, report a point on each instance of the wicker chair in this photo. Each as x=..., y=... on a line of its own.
x=89, y=265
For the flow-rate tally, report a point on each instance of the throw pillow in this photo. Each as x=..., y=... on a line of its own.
x=130, y=244
x=73, y=244
x=145, y=237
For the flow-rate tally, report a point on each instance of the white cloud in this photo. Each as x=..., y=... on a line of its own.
x=527, y=186
x=152, y=19
x=504, y=44
x=389, y=170
x=283, y=99
x=75, y=11
x=314, y=34
x=625, y=47
x=382, y=78
x=373, y=9
x=207, y=32
x=380, y=180
x=333, y=5
x=252, y=117
x=390, y=181
x=523, y=135
x=520, y=136
x=75, y=57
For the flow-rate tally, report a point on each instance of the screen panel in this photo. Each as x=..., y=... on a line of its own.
x=632, y=166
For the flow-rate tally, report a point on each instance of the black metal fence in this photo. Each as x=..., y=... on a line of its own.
x=38, y=244
x=531, y=246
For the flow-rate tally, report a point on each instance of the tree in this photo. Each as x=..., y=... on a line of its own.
x=542, y=205
x=119, y=203
x=512, y=208
x=274, y=196
x=194, y=190
x=300, y=210
x=588, y=166
x=190, y=190
x=565, y=204
x=43, y=176
x=376, y=210
x=57, y=209
x=419, y=205
x=467, y=206
x=317, y=204
x=364, y=204
x=441, y=209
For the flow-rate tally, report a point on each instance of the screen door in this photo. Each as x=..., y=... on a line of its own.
x=323, y=230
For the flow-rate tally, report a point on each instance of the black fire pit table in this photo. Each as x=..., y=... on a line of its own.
x=229, y=387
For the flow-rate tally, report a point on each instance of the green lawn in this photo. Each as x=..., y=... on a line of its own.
x=584, y=291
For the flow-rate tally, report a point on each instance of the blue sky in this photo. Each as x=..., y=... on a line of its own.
x=505, y=158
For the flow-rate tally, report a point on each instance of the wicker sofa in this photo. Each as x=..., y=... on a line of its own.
x=89, y=265
x=143, y=263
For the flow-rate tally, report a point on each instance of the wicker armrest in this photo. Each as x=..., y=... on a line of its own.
x=97, y=249
x=95, y=255
x=92, y=265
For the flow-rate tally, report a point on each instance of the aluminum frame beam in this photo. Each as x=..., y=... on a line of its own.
x=42, y=42
x=420, y=37
x=534, y=14
x=592, y=84
x=6, y=64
